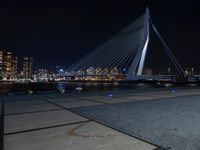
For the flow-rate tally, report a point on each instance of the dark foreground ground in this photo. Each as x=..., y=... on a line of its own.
x=112, y=120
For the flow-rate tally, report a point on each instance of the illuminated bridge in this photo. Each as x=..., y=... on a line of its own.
x=123, y=56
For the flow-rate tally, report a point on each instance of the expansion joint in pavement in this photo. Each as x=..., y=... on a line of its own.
x=31, y=112
x=48, y=127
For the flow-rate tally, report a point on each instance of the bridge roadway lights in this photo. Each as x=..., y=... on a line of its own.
x=150, y=78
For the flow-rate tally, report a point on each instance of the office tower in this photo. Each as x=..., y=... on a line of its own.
x=27, y=67
x=14, y=67
x=1, y=63
x=7, y=65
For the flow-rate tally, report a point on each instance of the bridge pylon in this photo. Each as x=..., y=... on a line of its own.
x=124, y=52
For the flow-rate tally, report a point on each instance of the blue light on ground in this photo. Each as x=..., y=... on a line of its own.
x=110, y=95
x=173, y=91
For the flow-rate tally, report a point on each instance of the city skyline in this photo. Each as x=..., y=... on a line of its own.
x=11, y=69
x=52, y=32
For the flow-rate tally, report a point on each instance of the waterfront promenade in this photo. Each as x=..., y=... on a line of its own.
x=106, y=120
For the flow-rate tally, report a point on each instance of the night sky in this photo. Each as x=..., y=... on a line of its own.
x=60, y=33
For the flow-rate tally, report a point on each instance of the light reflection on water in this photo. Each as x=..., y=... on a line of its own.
x=60, y=86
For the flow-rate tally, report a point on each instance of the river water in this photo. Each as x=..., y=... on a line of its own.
x=19, y=88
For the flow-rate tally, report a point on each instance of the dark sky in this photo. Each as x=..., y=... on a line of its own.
x=59, y=33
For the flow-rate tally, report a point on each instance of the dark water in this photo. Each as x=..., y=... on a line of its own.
x=6, y=88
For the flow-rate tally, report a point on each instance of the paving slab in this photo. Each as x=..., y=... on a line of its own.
x=103, y=99
x=86, y=136
x=74, y=102
x=79, y=103
x=20, y=97
x=24, y=102
x=148, y=97
x=63, y=99
x=113, y=100
x=22, y=122
x=55, y=95
x=15, y=109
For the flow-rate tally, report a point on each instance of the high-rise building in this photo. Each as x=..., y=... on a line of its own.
x=27, y=67
x=14, y=67
x=1, y=63
x=7, y=65
x=30, y=66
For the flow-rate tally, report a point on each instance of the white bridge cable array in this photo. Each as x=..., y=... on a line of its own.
x=169, y=52
x=125, y=50
x=118, y=52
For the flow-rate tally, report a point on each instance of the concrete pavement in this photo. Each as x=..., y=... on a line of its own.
x=39, y=123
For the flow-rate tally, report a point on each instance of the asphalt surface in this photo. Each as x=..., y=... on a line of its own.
x=173, y=123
